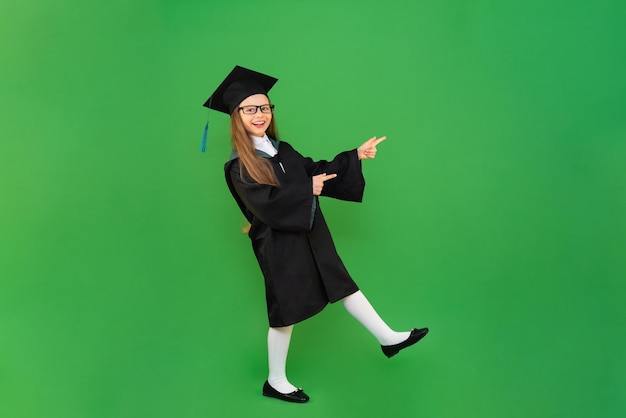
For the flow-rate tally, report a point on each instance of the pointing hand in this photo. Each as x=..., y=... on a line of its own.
x=368, y=149
x=318, y=182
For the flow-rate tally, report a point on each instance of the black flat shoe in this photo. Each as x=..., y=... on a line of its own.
x=416, y=335
x=297, y=396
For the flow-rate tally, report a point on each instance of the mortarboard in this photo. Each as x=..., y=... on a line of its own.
x=238, y=85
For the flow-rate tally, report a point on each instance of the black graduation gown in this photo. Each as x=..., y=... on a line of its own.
x=289, y=235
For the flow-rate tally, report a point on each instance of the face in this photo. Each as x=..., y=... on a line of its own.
x=257, y=123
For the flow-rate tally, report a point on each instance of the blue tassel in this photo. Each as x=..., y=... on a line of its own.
x=205, y=134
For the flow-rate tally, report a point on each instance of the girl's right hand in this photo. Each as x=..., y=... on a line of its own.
x=318, y=182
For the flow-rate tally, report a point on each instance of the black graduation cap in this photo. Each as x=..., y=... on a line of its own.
x=238, y=85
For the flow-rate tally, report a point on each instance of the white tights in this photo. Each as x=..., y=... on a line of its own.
x=358, y=306
x=277, y=348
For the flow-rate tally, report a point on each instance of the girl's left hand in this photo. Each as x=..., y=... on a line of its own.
x=368, y=149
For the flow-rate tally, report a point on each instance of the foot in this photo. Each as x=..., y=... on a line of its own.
x=416, y=335
x=297, y=396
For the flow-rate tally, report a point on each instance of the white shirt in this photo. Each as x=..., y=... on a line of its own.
x=264, y=144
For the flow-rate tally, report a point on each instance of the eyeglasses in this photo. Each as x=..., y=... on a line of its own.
x=251, y=110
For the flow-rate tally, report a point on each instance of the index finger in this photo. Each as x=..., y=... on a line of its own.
x=379, y=140
x=328, y=177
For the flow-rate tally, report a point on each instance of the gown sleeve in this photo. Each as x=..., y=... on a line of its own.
x=286, y=208
x=349, y=184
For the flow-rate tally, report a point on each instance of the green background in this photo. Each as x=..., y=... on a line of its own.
x=494, y=213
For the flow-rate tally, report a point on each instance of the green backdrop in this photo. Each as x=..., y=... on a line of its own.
x=494, y=213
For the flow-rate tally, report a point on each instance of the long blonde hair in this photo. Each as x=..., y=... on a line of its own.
x=259, y=168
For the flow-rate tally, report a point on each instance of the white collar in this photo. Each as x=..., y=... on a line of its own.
x=263, y=143
x=260, y=140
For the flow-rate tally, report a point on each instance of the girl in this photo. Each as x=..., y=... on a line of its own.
x=277, y=190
